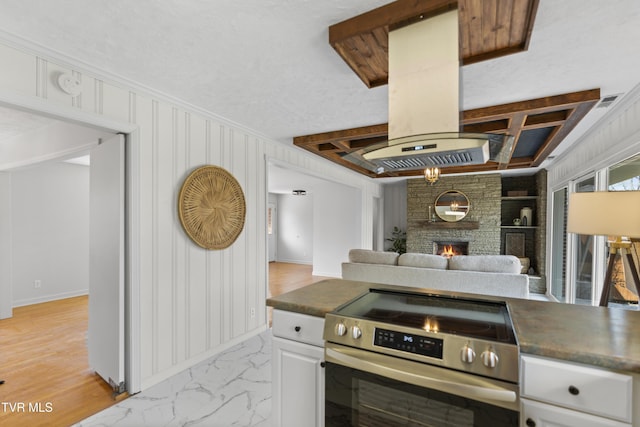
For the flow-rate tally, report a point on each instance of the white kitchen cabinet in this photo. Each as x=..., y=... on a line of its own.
x=558, y=393
x=537, y=414
x=297, y=370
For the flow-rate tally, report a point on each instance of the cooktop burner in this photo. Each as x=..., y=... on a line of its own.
x=471, y=335
x=473, y=318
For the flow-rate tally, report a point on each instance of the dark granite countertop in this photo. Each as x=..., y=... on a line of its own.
x=598, y=336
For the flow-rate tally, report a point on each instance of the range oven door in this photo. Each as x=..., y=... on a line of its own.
x=369, y=389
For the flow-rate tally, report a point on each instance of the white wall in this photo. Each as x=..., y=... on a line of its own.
x=337, y=211
x=188, y=303
x=395, y=208
x=295, y=228
x=6, y=288
x=56, y=141
x=50, y=211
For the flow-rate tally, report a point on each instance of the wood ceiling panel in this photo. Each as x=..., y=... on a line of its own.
x=488, y=29
x=560, y=114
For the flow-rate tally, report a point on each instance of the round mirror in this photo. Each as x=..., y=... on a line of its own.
x=452, y=206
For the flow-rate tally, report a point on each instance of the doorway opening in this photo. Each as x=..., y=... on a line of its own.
x=49, y=265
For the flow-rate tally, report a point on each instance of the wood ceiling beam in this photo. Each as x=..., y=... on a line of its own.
x=381, y=130
x=532, y=107
x=560, y=112
x=572, y=121
x=388, y=15
x=515, y=129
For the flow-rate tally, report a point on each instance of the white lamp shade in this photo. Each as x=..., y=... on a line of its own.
x=607, y=213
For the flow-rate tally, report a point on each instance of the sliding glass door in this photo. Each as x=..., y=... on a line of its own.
x=572, y=269
x=558, y=282
x=584, y=246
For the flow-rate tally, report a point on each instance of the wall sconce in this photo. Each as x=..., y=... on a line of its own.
x=431, y=175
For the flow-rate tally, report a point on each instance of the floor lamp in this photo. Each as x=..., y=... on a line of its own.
x=608, y=213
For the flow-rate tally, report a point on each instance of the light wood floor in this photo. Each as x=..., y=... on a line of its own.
x=44, y=362
x=285, y=277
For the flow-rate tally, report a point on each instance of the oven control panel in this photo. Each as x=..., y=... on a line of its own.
x=410, y=343
x=483, y=357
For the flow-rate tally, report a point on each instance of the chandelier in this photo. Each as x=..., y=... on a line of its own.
x=431, y=175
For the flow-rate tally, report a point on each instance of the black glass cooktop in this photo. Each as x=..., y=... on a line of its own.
x=482, y=319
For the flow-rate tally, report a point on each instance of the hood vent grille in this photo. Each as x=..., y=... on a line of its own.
x=457, y=159
x=420, y=151
x=417, y=160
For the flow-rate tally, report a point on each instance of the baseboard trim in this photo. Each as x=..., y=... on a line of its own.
x=49, y=298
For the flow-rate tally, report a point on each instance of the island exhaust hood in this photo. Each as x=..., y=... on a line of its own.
x=424, y=111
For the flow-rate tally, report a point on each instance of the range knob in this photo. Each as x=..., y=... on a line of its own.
x=467, y=354
x=356, y=332
x=489, y=358
x=341, y=329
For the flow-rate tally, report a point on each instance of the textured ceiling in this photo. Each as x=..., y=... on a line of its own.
x=267, y=64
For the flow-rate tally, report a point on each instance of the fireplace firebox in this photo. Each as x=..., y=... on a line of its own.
x=449, y=249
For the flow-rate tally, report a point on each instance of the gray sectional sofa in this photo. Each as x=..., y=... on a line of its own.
x=497, y=275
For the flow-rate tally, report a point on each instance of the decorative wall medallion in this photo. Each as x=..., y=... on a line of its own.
x=212, y=207
x=70, y=84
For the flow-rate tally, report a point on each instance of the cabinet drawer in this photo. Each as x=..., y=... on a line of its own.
x=580, y=387
x=544, y=415
x=298, y=327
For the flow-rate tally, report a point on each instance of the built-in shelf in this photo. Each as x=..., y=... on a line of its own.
x=519, y=198
x=444, y=225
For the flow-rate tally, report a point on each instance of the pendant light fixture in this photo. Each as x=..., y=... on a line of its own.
x=431, y=175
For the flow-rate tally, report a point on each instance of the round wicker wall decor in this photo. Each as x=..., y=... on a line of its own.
x=212, y=208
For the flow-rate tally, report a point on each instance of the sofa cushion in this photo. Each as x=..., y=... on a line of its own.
x=423, y=261
x=486, y=263
x=367, y=256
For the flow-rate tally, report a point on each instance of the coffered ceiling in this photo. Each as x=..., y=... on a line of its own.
x=488, y=29
x=269, y=65
x=538, y=126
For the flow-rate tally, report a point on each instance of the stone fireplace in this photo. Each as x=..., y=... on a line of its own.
x=480, y=229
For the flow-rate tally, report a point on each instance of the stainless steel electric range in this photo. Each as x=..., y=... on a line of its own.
x=415, y=359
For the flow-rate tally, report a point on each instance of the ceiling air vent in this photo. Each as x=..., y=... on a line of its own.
x=608, y=100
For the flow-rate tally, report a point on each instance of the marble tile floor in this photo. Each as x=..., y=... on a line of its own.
x=230, y=389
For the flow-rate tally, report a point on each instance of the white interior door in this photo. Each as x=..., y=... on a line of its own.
x=106, y=261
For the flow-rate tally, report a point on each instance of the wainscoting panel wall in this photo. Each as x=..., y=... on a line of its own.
x=193, y=303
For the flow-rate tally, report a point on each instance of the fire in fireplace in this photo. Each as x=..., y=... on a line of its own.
x=449, y=249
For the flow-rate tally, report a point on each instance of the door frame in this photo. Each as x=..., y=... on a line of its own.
x=272, y=239
x=132, y=214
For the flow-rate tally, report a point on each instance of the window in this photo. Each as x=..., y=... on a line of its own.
x=625, y=176
x=578, y=264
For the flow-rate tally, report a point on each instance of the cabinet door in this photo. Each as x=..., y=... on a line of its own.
x=536, y=414
x=298, y=384
x=583, y=388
